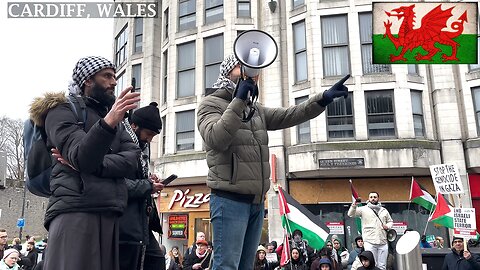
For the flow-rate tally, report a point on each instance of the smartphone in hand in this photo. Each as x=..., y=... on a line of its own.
x=169, y=179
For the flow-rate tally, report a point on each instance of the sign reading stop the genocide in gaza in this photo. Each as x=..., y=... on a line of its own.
x=446, y=178
x=464, y=224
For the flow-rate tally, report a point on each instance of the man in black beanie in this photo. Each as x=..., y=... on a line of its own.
x=138, y=247
x=459, y=258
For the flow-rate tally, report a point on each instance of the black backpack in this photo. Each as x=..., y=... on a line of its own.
x=38, y=158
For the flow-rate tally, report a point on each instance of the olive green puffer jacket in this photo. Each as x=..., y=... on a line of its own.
x=237, y=152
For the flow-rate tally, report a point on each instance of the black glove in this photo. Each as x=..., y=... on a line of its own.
x=337, y=90
x=245, y=87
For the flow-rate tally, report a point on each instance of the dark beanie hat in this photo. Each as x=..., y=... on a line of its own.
x=148, y=117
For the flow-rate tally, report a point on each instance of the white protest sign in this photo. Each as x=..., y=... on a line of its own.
x=336, y=227
x=446, y=178
x=464, y=224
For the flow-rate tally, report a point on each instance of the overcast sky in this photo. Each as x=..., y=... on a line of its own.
x=38, y=55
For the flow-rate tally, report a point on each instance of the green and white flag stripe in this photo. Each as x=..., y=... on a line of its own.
x=443, y=213
x=421, y=196
x=296, y=217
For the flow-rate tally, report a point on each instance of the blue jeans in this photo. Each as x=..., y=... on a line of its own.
x=237, y=228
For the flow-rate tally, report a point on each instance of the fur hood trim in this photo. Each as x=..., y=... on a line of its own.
x=41, y=105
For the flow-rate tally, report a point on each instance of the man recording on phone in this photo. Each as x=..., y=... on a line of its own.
x=138, y=246
x=376, y=220
x=238, y=159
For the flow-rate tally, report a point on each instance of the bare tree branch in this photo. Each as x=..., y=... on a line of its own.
x=11, y=142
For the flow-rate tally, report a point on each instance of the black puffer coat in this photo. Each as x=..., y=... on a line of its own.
x=101, y=155
x=456, y=261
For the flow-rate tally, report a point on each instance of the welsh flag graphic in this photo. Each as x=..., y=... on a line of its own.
x=425, y=33
x=443, y=213
x=420, y=196
x=296, y=217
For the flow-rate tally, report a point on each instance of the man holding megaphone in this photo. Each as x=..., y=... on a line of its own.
x=236, y=143
x=376, y=222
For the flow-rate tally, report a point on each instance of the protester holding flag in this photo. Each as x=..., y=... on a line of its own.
x=375, y=221
x=297, y=261
x=460, y=259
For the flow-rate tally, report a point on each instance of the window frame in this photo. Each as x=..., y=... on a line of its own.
x=187, y=15
x=213, y=8
x=299, y=51
x=336, y=45
x=249, y=8
x=187, y=69
x=420, y=115
x=475, y=108
x=138, y=35
x=369, y=68
x=331, y=128
x=165, y=77
x=217, y=62
x=177, y=132
x=371, y=115
x=303, y=125
x=121, y=50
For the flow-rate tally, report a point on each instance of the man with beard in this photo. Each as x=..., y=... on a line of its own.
x=138, y=246
x=375, y=221
x=92, y=157
x=30, y=260
x=3, y=241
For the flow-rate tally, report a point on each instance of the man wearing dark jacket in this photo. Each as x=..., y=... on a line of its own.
x=460, y=259
x=88, y=186
x=138, y=245
x=238, y=159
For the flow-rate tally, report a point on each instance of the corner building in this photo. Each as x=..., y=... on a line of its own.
x=397, y=120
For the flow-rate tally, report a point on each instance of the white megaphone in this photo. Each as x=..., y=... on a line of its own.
x=254, y=50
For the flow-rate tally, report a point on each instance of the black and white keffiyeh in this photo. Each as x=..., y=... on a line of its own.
x=225, y=68
x=84, y=69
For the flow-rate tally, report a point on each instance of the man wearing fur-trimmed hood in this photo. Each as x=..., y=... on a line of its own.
x=88, y=191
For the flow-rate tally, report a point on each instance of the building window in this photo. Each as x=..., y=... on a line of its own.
x=27, y=204
x=366, y=41
x=164, y=134
x=476, y=105
x=335, y=46
x=185, y=130
x=412, y=69
x=243, y=8
x=186, y=70
x=340, y=118
x=165, y=76
x=138, y=34
x=417, y=111
x=120, y=84
x=186, y=14
x=303, y=129
x=477, y=65
x=213, y=11
x=213, y=58
x=137, y=75
x=9, y=203
x=300, y=47
x=297, y=3
x=380, y=114
x=166, y=19
x=121, y=47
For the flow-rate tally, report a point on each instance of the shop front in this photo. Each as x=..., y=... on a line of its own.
x=184, y=211
x=331, y=198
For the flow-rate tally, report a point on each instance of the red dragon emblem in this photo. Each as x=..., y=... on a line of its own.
x=429, y=33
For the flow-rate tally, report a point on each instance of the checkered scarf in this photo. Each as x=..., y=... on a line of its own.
x=86, y=68
x=225, y=68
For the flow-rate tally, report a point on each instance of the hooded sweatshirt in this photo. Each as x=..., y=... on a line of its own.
x=368, y=255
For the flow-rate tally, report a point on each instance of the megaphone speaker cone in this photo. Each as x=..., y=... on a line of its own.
x=255, y=49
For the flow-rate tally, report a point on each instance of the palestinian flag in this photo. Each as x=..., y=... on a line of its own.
x=443, y=213
x=420, y=196
x=285, y=258
x=296, y=217
x=355, y=196
x=424, y=33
